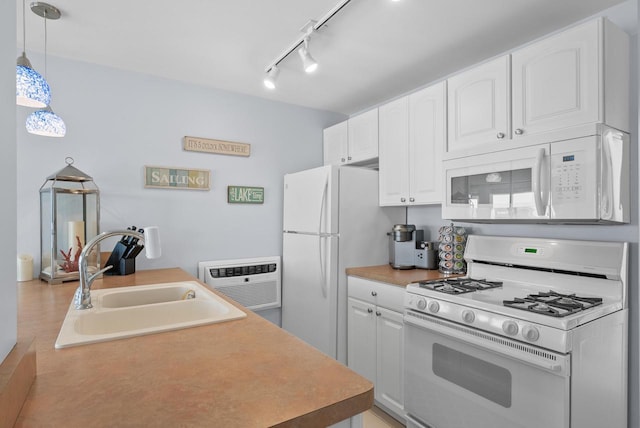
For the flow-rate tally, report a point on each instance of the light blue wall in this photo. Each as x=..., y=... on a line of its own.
x=429, y=218
x=119, y=121
x=8, y=313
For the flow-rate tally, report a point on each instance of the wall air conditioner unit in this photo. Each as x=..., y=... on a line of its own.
x=254, y=283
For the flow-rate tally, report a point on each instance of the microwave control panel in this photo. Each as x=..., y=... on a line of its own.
x=574, y=171
x=567, y=177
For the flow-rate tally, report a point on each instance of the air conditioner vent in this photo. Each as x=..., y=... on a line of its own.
x=254, y=283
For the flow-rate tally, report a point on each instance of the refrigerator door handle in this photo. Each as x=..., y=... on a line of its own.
x=322, y=204
x=323, y=283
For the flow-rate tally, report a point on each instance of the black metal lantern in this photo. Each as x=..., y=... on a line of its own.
x=69, y=218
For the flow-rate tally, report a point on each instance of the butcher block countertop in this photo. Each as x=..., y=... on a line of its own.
x=401, y=277
x=241, y=373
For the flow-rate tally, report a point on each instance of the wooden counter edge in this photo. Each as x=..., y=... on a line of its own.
x=17, y=373
x=333, y=414
x=399, y=277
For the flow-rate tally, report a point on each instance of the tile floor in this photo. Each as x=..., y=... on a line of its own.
x=376, y=418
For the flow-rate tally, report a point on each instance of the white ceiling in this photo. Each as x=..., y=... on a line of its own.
x=371, y=51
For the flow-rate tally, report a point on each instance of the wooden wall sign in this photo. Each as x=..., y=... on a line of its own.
x=245, y=195
x=162, y=177
x=195, y=144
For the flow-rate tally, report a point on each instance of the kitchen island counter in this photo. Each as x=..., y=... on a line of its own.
x=241, y=373
x=400, y=277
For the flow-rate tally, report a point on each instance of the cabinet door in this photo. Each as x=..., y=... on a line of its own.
x=427, y=123
x=361, y=338
x=363, y=137
x=479, y=105
x=394, y=153
x=389, y=388
x=556, y=81
x=335, y=144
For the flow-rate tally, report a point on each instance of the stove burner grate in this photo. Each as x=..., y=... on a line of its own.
x=459, y=285
x=553, y=304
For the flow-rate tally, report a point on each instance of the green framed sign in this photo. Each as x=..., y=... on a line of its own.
x=245, y=195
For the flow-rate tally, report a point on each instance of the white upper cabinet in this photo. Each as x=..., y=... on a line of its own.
x=363, y=137
x=559, y=82
x=335, y=144
x=555, y=89
x=412, y=137
x=354, y=141
x=427, y=137
x=393, y=172
x=479, y=105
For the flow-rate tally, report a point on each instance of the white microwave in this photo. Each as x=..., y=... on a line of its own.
x=582, y=180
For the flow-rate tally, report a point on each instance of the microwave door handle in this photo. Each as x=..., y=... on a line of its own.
x=536, y=181
x=613, y=152
x=607, y=179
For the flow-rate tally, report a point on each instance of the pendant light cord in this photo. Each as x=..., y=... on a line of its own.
x=24, y=32
x=45, y=44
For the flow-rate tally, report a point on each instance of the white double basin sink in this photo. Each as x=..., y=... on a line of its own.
x=119, y=313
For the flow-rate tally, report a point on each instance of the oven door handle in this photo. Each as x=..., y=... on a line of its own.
x=490, y=342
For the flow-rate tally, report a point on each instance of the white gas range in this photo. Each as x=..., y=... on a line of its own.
x=534, y=335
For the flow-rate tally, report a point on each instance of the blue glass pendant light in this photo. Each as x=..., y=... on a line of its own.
x=46, y=123
x=32, y=90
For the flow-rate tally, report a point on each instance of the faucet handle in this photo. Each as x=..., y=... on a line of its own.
x=101, y=271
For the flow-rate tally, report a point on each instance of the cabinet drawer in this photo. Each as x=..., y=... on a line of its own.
x=391, y=297
x=378, y=293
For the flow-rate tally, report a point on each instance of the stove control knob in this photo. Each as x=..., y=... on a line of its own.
x=434, y=306
x=510, y=327
x=530, y=333
x=468, y=316
x=421, y=304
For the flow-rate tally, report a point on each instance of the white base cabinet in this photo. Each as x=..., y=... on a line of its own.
x=375, y=344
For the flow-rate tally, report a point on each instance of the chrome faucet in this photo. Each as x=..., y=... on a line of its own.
x=82, y=297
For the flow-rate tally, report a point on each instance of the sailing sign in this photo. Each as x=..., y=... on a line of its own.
x=159, y=177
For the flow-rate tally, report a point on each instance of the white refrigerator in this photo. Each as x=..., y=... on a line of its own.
x=331, y=221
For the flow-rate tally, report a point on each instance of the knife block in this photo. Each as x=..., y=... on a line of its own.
x=123, y=263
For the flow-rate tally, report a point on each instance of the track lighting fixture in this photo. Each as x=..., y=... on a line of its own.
x=308, y=63
x=270, y=78
x=302, y=46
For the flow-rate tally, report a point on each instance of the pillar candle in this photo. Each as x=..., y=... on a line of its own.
x=76, y=228
x=25, y=267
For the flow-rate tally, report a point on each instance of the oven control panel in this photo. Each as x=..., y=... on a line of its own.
x=513, y=328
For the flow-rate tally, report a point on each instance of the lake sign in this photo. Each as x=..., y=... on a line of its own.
x=245, y=195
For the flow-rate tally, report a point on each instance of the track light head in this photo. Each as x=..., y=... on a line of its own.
x=271, y=77
x=309, y=64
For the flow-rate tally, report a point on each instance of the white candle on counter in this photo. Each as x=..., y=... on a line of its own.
x=75, y=228
x=25, y=267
